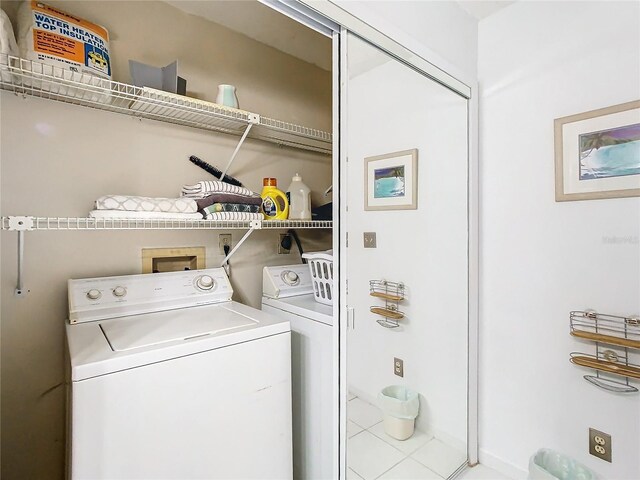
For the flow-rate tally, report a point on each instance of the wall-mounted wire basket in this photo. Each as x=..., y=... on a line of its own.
x=392, y=294
x=614, y=336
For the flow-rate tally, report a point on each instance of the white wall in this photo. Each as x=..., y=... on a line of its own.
x=540, y=259
x=442, y=32
x=392, y=108
x=57, y=159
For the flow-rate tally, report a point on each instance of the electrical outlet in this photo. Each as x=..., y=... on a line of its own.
x=600, y=444
x=286, y=239
x=223, y=240
x=398, y=367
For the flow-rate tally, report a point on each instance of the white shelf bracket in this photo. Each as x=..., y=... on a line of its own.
x=20, y=290
x=20, y=225
x=254, y=119
x=254, y=225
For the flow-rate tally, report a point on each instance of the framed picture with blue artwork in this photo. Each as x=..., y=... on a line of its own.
x=391, y=181
x=598, y=153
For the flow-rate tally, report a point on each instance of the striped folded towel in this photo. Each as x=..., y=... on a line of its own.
x=207, y=187
x=230, y=207
x=242, y=216
x=132, y=203
x=227, y=198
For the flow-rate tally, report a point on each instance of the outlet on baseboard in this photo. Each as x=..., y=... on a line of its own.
x=600, y=444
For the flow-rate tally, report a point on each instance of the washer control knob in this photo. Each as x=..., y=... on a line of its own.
x=205, y=282
x=290, y=277
x=94, y=294
x=119, y=291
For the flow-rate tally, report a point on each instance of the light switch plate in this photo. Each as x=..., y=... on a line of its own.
x=369, y=239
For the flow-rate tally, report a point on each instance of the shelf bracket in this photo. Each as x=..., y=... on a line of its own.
x=254, y=225
x=20, y=290
x=254, y=119
x=20, y=225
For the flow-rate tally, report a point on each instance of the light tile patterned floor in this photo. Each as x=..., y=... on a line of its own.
x=372, y=454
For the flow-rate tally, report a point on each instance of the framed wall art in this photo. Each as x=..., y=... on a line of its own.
x=391, y=181
x=598, y=153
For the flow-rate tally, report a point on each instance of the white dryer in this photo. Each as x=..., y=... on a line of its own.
x=171, y=379
x=288, y=294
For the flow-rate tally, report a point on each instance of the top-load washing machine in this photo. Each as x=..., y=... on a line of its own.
x=171, y=379
x=288, y=294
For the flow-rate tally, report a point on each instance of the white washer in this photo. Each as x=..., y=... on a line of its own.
x=288, y=293
x=171, y=379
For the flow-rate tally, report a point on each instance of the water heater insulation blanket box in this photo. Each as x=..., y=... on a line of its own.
x=59, y=39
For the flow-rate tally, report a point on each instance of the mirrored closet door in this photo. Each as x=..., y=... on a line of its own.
x=407, y=266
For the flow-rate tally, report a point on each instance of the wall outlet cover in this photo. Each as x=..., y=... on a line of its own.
x=398, y=367
x=224, y=239
x=600, y=444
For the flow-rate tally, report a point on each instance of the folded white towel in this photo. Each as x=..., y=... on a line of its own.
x=207, y=187
x=146, y=204
x=126, y=215
x=241, y=216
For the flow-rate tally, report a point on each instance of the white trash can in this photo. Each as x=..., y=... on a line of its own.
x=400, y=407
x=547, y=464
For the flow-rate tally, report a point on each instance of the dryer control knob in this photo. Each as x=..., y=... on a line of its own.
x=119, y=291
x=94, y=294
x=290, y=277
x=205, y=282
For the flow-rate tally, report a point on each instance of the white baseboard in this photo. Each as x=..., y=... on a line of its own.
x=501, y=466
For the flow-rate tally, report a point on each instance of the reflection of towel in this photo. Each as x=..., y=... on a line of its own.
x=207, y=187
x=124, y=214
x=230, y=207
x=146, y=204
x=244, y=216
x=227, y=198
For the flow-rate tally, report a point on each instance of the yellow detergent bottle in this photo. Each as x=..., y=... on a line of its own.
x=275, y=205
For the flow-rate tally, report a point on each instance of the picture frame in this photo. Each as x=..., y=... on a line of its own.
x=597, y=153
x=391, y=181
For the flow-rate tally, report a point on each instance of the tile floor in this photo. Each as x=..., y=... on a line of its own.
x=372, y=454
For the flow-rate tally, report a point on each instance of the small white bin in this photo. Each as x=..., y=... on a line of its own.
x=400, y=407
x=321, y=268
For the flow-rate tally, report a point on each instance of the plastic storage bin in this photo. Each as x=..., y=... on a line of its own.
x=400, y=407
x=321, y=268
x=547, y=464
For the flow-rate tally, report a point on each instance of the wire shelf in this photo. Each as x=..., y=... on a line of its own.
x=27, y=77
x=80, y=223
x=610, y=329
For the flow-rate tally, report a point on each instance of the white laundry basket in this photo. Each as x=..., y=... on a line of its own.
x=321, y=268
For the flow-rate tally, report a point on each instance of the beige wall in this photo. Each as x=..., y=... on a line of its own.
x=56, y=159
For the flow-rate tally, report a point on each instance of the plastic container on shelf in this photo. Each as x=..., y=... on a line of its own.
x=321, y=268
x=299, y=196
x=547, y=464
x=275, y=205
x=400, y=407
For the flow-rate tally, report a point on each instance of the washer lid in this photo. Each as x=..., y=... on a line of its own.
x=304, y=306
x=148, y=330
x=96, y=348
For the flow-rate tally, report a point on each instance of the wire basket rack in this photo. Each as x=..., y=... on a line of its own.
x=616, y=338
x=392, y=294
